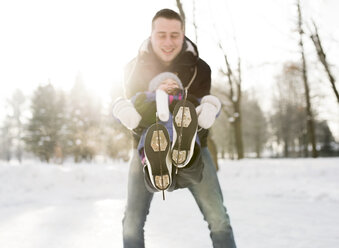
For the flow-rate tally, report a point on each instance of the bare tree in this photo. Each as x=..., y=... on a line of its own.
x=195, y=23
x=181, y=11
x=183, y=16
x=14, y=122
x=234, y=97
x=222, y=130
x=211, y=143
x=309, y=118
x=322, y=57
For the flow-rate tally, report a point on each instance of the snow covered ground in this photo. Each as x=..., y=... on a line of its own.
x=272, y=204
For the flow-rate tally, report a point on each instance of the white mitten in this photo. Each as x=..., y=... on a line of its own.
x=207, y=111
x=161, y=99
x=124, y=110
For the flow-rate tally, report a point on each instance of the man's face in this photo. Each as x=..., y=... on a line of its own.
x=167, y=38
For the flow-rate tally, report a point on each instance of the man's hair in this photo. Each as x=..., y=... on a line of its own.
x=168, y=14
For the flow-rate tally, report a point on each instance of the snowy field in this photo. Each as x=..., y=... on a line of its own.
x=272, y=204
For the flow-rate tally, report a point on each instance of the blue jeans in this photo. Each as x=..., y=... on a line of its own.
x=207, y=194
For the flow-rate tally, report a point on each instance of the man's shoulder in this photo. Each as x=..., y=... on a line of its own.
x=202, y=64
x=130, y=65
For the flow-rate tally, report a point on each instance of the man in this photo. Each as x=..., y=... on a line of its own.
x=168, y=50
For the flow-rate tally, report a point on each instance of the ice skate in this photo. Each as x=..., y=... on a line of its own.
x=185, y=124
x=157, y=155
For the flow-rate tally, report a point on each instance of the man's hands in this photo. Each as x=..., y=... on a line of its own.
x=124, y=111
x=207, y=111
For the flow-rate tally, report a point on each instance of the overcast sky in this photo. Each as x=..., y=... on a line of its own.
x=44, y=40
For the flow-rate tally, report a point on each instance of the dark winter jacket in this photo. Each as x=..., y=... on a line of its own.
x=142, y=69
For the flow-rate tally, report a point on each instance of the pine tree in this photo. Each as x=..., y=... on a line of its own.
x=117, y=139
x=11, y=144
x=254, y=125
x=289, y=111
x=6, y=140
x=45, y=126
x=325, y=139
x=84, y=123
x=16, y=103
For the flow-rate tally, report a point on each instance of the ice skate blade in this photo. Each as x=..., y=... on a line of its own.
x=185, y=119
x=162, y=182
x=158, y=137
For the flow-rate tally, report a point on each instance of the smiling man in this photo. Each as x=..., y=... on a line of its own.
x=168, y=50
x=167, y=38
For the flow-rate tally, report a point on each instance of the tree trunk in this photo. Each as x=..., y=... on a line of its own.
x=322, y=57
x=286, y=154
x=195, y=23
x=238, y=131
x=258, y=149
x=181, y=11
x=235, y=97
x=309, y=115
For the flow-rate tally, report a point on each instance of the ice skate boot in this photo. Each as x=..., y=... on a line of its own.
x=157, y=155
x=185, y=124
